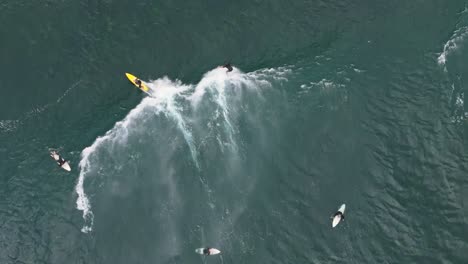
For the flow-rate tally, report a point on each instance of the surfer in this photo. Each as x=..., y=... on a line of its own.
x=138, y=82
x=339, y=214
x=61, y=162
x=207, y=251
x=227, y=66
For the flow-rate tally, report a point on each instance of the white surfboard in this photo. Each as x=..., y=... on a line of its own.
x=337, y=219
x=213, y=251
x=56, y=157
x=66, y=166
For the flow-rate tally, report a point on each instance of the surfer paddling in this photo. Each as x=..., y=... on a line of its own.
x=61, y=162
x=339, y=215
x=207, y=251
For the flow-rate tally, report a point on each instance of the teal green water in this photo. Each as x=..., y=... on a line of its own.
x=331, y=102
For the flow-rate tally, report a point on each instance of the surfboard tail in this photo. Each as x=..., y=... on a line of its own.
x=66, y=166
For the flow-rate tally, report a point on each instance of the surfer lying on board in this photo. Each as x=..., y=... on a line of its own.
x=340, y=214
x=60, y=161
x=210, y=251
x=207, y=251
x=138, y=82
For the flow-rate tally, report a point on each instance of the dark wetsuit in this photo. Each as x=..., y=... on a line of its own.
x=206, y=251
x=228, y=67
x=138, y=82
x=61, y=161
x=340, y=214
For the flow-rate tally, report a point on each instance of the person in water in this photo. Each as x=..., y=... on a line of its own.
x=61, y=161
x=138, y=82
x=227, y=66
x=340, y=214
x=206, y=251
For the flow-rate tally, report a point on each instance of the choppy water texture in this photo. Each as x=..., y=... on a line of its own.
x=331, y=102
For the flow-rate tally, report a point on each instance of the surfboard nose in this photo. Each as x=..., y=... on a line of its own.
x=214, y=251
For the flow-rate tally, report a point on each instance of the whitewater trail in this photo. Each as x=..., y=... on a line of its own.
x=454, y=48
x=456, y=40
x=13, y=125
x=167, y=91
x=172, y=99
x=217, y=82
x=117, y=134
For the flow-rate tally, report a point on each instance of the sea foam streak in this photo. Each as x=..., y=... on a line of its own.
x=456, y=40
x=117, y=134
x=456, y=46
x=169, y=98
x=452, y=44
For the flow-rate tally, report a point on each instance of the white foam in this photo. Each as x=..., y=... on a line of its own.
x=119, y=134
x=453, y=44
x=166, y=90
x=165, y=97
x=9, y=125
x=324, y=85
x=218, y=79
x=67, y=91
x=459, y=101
x=162, y=100
x=214, y=78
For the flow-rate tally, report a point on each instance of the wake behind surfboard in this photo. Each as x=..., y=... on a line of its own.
x=133, y=79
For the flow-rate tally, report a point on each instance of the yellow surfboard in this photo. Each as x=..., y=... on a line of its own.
x=133, y=78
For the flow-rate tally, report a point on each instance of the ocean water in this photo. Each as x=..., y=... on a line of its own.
x=330, y=102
